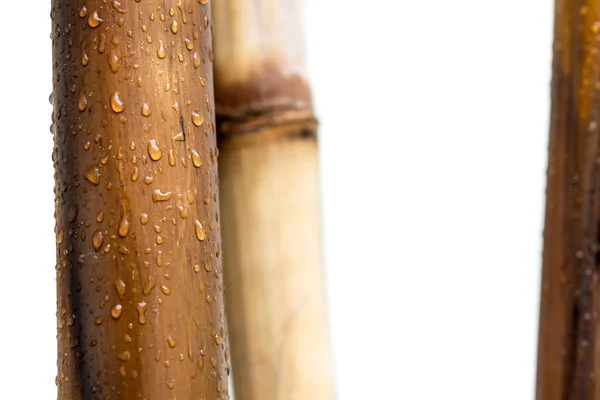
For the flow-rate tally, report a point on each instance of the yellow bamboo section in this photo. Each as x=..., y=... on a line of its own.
x=269, y=197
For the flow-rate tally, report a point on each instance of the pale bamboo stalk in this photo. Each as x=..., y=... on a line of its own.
x=139, y=275
x=269, y=197
x=569, y=335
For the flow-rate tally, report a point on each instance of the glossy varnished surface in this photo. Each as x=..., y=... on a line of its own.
x=140, y=300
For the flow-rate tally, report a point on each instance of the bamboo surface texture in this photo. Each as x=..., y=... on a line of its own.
x=569, y=339
x=269, y=188
x=140, y=287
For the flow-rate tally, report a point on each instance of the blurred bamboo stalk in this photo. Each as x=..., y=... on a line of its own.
x=140, y=301
x=569, y=338
x=269, y=197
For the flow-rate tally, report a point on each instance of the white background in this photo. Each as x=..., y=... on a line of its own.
x=433, y=146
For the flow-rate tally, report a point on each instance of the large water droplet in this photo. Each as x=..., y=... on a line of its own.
x=141, y=309
x=146, y=110
x=116, y=103
x=195, y=59
x=165, y=290
x=124, y=226
x=196, y=159
x=60, y=236
x=154, y=150
x=93, y=175
x=83, y=102
x=124, y=356
x=197, y=118
x=161, y=50
x=172, y=342
x=159, y=195
x=118, y=7
x=73, y=211
x=121, y=288
x=113, y=62
x=200, y=232
x=149, y=285
x=116, y=311
x=94, y=19
x=97, y=240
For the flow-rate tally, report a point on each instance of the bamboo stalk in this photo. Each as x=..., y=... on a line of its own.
x=568, y=359
x=140, y=302
x=269, y=197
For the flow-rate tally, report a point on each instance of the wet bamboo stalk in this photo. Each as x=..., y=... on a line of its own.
x=269, y=197
x=569, y=345
x=140, y=302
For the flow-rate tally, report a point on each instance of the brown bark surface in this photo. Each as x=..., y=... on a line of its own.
x=269, y=191
x=568, y=359
x=140, y=301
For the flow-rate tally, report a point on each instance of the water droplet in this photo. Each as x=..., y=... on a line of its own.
x=144, y=218
x=73, y=211
x=196, y=159
x=83, y=102
x=60, y=236
x=172, y=342
x=116, y=103
x=171, y=157
x=183, y=214
x=124, y=226
x=83, y=12
x=200, y=233
x=113, y=62
x=197, y=118
x=161, y=50
x=159, y=195
x=218, y=339
x=171, y=384
x=94, y=19
x=207, y=267
x=174, y=26
x=124, y=356
x=596, y=27
x=154, y=150
x=195, y=59
x=196, y=268
x=121, y=288
x=202, y=1
x=165, y=290
x=93, y=175
x=116, y=311
x=85, y=58
x=146, y=110
x=141, y=309
x=97, y=239
x=188, y=44
x=118, y=7
x=149, y=285
x=135, y=174
x=99, y=321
